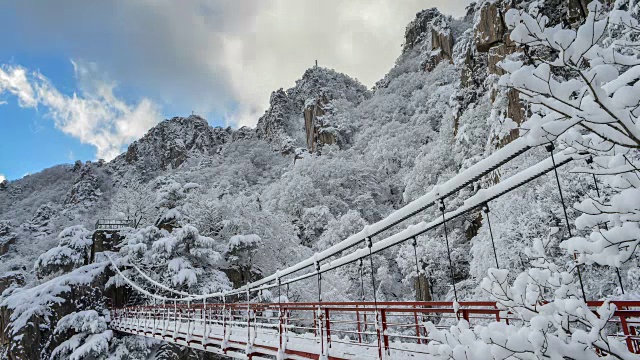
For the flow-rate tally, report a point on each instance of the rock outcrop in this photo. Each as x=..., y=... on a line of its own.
x=419, y=28
x=11, y=279
x=289, y=122
x=491, y=36
x=7, y=237
x=169, y=144
x=103, y=240
x=317, y=132
x=86, y=188
x=28, y=316
x=490, y=29
x=276, y=125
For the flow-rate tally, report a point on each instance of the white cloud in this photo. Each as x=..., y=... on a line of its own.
x=222, y=55
x=14, y=80
x=94, y=116
x=360, y=38
x=2, y=178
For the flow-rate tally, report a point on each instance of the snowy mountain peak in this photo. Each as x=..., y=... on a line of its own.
x=419, y=27
x=283, y=124
x=170, y=143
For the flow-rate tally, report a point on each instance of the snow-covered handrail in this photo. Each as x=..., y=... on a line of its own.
x=140, y=289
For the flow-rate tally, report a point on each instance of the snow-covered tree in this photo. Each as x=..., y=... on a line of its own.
x=74, y=245
x=583, y=90
x=581, y=86
x=135, y=202
x=183, y=258
x=556, y=323
x=90, y=339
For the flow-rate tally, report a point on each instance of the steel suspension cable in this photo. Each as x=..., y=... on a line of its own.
x=493, y=244
x=415, y=253
x=452, y=186
x=375, y=298
x=550, y=148
x=319, y=314
x=319, y=282
x=446, y=239
x=589, y=161
x=362, y=280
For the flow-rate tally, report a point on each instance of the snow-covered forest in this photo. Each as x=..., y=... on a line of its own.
x=212, y=208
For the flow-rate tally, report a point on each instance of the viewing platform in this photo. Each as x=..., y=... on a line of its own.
x=114, y=224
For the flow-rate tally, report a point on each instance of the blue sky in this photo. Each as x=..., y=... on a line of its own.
x=29, y=139
x=29, y=143
x=82, y=79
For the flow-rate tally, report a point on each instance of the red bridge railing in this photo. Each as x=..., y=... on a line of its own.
x=338, y=330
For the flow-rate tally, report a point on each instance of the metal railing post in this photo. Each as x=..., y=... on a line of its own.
x=385, y=337
x=203, y=313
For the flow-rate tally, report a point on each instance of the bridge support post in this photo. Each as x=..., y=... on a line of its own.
x=628, y=335
x=358, y=322
x=281, y=345
x=415, y=319
x=164, y=319
x=182, y=312
x=249, y=347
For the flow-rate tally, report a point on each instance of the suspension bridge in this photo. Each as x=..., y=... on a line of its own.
x=251, y=329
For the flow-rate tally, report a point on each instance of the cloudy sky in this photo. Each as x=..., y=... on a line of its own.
x=82, y=79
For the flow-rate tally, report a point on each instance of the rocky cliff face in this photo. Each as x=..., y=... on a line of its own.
x=28, y=317
x=289, y=122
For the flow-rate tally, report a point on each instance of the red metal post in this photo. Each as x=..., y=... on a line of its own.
x=358, y=322
x=280, y=332
x=383, y=316
x=315, y=324
x=627, y=334
x=364, y=315
x=415, y=319
x=328, y=326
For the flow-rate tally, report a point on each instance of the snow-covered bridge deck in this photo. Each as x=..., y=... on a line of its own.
x=323, y=330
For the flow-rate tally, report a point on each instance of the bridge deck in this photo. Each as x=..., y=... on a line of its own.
x=361, y=330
